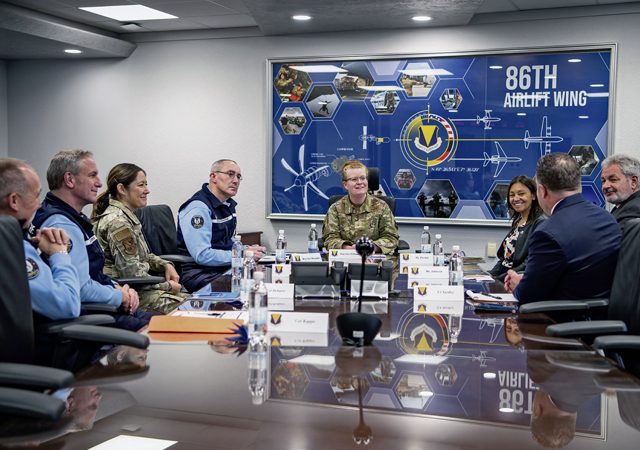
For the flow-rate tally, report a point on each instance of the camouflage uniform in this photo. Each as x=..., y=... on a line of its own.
x=346, y=222
x=119, y=233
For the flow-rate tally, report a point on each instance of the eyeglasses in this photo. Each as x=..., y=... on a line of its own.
x=231, y=174
x=362, y=179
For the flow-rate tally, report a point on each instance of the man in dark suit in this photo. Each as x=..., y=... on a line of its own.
x=619, y=177
x=573, y=254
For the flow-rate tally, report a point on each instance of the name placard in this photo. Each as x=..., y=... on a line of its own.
x=438, y=299
x=303, y=257
x=288, y=339
x=298, y=322
x=345, y=255
x=280, y=273
x=427, y=275
x=280, y=296
x=414, y=259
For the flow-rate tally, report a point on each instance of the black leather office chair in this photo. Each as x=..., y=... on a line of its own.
x=623, y=311
x=159, y=229
x=373, y=179
x=67, y=344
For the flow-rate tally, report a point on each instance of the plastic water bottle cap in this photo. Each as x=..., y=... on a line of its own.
x=438, y=236
x=280, y=231
x=455, y=248
x=258, y=276
x=238, y=237
x=426, y=228
x=248, y=254
x=313, y=225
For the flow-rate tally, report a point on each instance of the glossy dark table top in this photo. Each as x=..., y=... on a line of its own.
x=418, y=389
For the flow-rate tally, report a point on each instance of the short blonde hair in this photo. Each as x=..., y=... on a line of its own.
x=353, y=164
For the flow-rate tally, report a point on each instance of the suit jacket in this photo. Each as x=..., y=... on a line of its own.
x=629, y=209
x=572, y=254
x=521, y=251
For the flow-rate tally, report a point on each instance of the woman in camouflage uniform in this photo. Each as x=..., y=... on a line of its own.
x=119, y=233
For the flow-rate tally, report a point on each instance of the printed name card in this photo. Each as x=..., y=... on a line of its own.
x=303, y=257
x=280, y=297
x=345, y=255
x=427, y=275
x=414, y=259
x=438, y=299
x=298, y=322
x=280, y=273
x=284, y=339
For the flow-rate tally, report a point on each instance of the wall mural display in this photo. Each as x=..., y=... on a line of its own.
x=448, y=133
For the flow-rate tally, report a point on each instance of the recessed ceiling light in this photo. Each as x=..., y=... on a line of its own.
x=301, y=17
x=127, y=13
x=421, y=18
x=495, y=67
x=73, y=51
x=574, y=60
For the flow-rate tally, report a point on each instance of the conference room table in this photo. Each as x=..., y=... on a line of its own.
x=417, y=387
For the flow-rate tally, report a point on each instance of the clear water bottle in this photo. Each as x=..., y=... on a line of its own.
x=455, y=327
x=281, y=248
x=248, y=268
x=425, y=240
x=312, y=243
x=258, y=358
x=258, y=312
x=456, y=266
x=438, y=251
x=237, y=250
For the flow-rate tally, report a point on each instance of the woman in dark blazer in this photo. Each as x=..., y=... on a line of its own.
x=526, y=214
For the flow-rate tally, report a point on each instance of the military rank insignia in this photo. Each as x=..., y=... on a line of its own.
x=32, y=269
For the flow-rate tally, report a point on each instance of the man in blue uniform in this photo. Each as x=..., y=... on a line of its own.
x=572, y=254
x=54, y=287
x=207, y=224
x=74, y=183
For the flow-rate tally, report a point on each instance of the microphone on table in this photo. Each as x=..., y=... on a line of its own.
x=358, y=328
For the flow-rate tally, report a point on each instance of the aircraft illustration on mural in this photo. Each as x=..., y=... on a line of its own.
x=487, y=119
x=545, y=139
x=365, y=138
x=305, y=178
x=500, y=159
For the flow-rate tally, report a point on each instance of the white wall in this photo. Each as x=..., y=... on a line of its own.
x=174, y=107
x=4, y=126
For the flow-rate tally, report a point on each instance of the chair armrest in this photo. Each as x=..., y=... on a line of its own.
x=624, y=342
x=97, y=308
x=586, y=328
x=597, y=303
x=141, y=281
x=56, y=326
x=181, y=259
x=105, y=335
x=554, y=305
x=402, y=246
x=18, y=402
x=26, y=376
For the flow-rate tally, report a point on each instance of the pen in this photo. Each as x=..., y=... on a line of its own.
x=493, y=296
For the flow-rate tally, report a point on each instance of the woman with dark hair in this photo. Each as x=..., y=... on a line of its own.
x=526, y=215
x=119, y=233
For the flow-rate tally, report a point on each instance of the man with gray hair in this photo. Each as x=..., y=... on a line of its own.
x=573, y=254
x=619, y=177
x=207, y=224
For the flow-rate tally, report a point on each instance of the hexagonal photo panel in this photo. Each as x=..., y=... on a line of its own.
x=345, y=388
x=322, y=101
x=585, y=157
x=498, y=201
x=451, y=98
x=289, y=380
x=405, y=179
x=385, y=371
x=413, y=391
x=417, y=79
x=446, y=375
x=351, y=84
x=291, y=85
x=292, y=120
x=385, y=102
x=437, y=198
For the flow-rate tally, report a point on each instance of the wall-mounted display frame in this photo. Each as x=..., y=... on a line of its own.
x=447, y=131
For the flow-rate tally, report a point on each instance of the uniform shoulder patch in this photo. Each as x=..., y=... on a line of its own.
x=32, y=268
x=197, y=222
